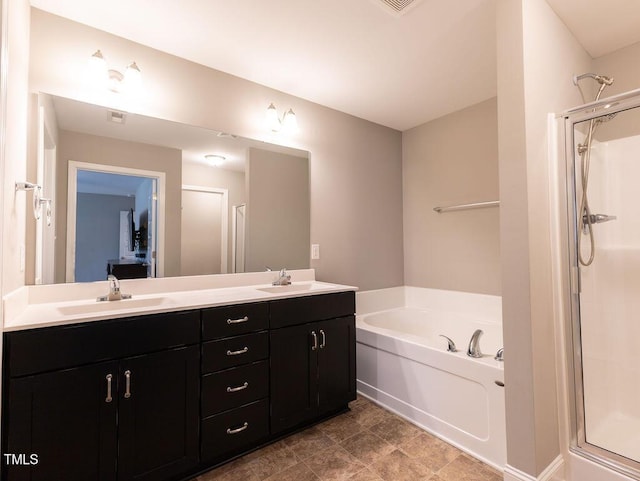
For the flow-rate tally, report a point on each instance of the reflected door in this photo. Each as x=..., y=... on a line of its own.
x=204, y=231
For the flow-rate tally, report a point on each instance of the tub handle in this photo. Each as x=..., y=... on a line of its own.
x=451, y=346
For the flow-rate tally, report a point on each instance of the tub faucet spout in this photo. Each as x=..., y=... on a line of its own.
x=451, y=346
x=474, y=345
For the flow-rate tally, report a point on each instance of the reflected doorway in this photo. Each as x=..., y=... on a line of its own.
x=113, y=223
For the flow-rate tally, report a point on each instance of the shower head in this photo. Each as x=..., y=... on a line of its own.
x=601, y=79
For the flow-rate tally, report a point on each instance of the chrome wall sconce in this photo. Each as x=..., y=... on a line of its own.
x=288, y=124
x=38, y=201
x=128, y=82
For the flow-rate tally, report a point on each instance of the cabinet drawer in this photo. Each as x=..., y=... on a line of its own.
x=235, y=430
x=234, y=351
x=53, y=348
x=300, y=310
x=230, y=321
x=234, y=387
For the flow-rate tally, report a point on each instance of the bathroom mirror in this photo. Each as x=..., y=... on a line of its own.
x=146, y=197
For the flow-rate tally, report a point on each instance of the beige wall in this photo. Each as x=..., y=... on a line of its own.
x=531, y=84
x=355, y=165
x=623, y=66
x=452, y=160
x=121, y=153
x=277, y=215
x=16, y=54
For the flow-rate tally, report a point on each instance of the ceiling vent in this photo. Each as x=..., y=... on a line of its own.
x=116, y=117
x=400, y=7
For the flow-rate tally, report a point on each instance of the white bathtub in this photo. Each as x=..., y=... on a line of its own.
x=402, y=364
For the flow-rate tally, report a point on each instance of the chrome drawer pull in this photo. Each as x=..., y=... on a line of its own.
x=238, y=430
x=239, y=388
x=315, y=340
x=237, y=321
x=235, y=353
x=127, y=385
x=324, y=339
x=109, y=398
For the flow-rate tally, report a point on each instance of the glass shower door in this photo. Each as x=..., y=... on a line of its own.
x=606, y=310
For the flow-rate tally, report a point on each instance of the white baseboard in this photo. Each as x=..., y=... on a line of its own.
x=553, y=472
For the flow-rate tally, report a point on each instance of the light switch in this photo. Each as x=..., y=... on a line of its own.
x=315, y=251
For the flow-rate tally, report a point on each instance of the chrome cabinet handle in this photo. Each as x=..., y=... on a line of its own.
x=235, y=353
x=324, y=339
x=108, y=399
x=239, y=388
x=237, y=321
x=127, y=385
x=315, y=340
x=238, y=430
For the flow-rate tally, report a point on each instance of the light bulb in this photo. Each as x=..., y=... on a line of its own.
x=289, y=122
x=98, y=68
x=273, y=123
x=132, y=78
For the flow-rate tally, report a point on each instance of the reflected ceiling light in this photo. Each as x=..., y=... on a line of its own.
x=215, y=159
x=288, y=124
x=128, y=82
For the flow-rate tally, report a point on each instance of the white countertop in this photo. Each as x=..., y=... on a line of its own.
x=29, y=310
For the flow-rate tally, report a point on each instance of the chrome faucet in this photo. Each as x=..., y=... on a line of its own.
x=451, y=346
x=283, y=279
x=114, y=291
x=474, y=344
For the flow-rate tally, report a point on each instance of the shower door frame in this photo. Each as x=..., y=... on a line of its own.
x=579, y=444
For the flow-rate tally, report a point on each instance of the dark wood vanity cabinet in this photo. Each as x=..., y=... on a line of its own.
x=165, y=396
x=133, y=417
x=235, y=380
x=313, y=369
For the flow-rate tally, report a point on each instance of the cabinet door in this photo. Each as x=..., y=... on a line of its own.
x=336, y=363
x=67, y=419
x=158, y=414
x=294, y=393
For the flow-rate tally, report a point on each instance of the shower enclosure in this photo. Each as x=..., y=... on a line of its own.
x=603, y=173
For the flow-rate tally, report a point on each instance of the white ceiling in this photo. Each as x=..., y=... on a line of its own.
x=355, y=56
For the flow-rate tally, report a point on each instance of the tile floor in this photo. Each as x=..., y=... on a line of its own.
x=366, y=444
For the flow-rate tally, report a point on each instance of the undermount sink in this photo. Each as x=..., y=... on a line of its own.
x=289, y=288
x=104, y=306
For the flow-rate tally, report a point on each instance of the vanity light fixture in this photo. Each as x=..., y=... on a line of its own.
x=288, y=124
x=127, y=82
x=215, y=159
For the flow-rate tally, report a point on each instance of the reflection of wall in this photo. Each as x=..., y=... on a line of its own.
x=98, y=233
x=277, y=227
x=101, y=150
x=452, y=160
x=206, y=176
